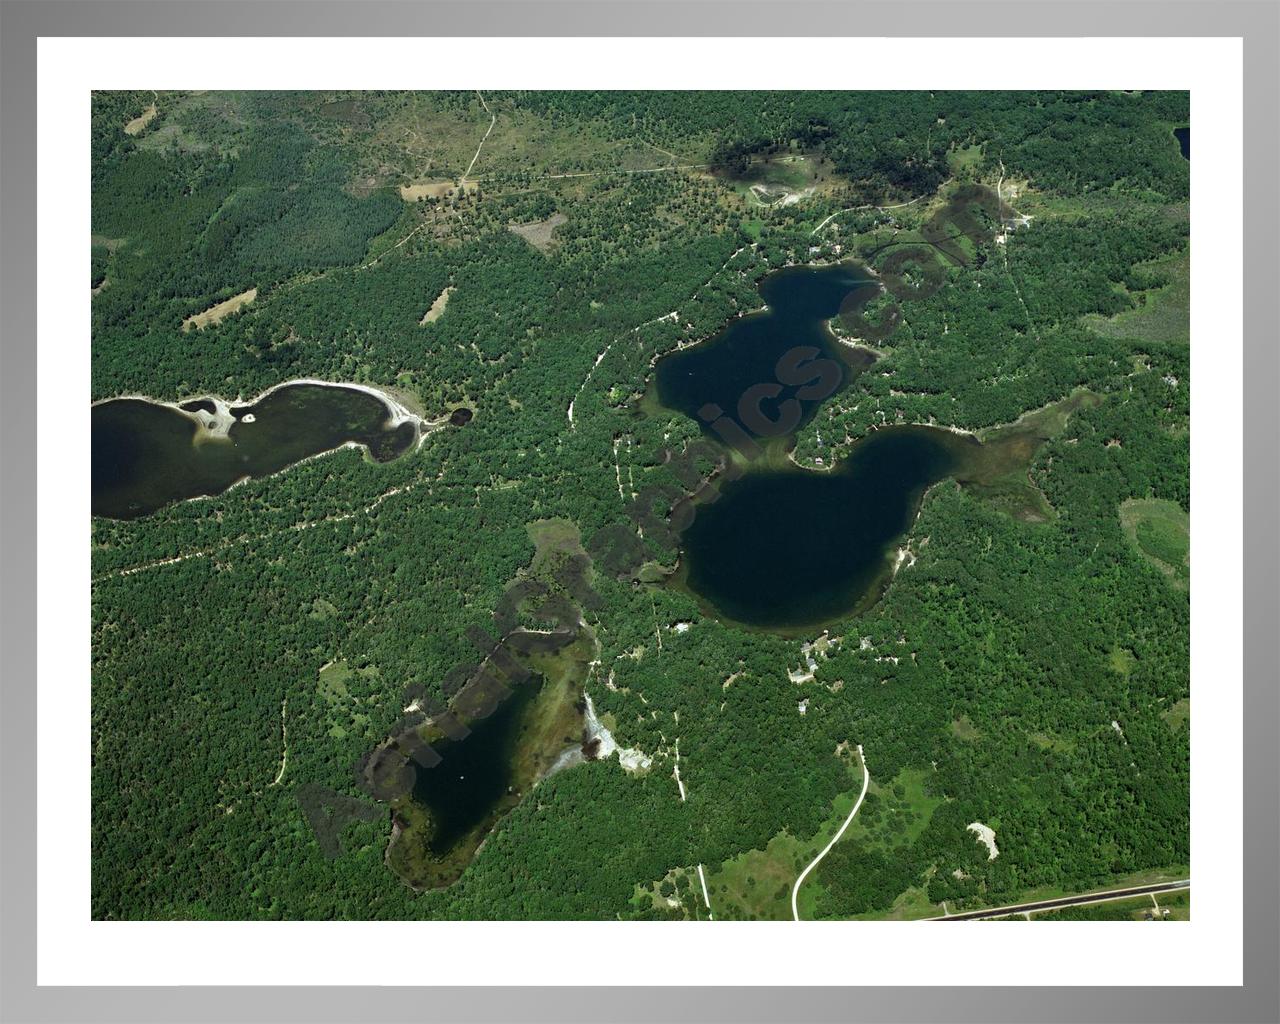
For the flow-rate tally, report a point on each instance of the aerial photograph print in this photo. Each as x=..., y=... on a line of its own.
x=650, y=505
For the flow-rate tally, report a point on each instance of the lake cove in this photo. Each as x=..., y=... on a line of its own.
x=740, y=364
x=1183, y=136
x=148, y=454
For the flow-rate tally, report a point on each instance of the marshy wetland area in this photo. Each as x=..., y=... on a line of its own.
x=452, y=806
x=632, y=505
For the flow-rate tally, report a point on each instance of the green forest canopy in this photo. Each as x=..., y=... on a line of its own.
x=1036, y=636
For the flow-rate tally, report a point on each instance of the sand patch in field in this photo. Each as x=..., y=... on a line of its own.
x=414, y=191
x=538, y=233
x=437, y=308
x=139, y=123
x=216, y=314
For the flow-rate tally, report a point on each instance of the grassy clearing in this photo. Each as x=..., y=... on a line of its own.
x=1164, y=315
x=196, y=122
x=782, y=180
x=414, y=191
x=1048, y=741
x=899, y=812
x=1161, y=531
x=964, y=158
x=756, y=886
x=912, y=905
x=1178, y=714
x=345, y=691
x=422, y=137
x=172, y=136
x=216, y=314
x=789, y=171
x=1121, y=660
x=895, y=814
x=333, y=681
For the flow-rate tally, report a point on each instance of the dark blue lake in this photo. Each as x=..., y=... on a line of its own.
x=737, y=371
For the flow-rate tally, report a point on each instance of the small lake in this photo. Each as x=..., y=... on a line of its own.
x=1183, y=135
x=725, y=368
x=480, y=777
x=149, y=454
x=789, y=548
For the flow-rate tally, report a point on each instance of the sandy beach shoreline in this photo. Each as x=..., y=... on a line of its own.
x=218, y=423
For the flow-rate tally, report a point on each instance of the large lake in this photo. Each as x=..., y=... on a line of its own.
x=148, y=454
x=784, y=547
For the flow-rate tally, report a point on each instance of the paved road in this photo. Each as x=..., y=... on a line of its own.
x=1069, y=901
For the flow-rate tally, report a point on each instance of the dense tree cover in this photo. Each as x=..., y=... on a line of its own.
x=1034, y=637
x=110, y=112
x=1076, y=634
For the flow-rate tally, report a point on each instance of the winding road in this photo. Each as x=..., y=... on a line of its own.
x=866, y=780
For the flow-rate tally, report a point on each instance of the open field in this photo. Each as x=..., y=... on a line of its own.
x=539, y=234
x=1161, y=530
x=1165, y=312
x=216, y=314
x=437, y=307
x=411, y=193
